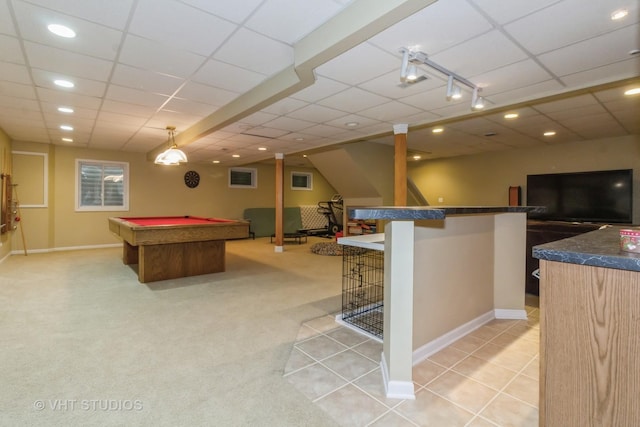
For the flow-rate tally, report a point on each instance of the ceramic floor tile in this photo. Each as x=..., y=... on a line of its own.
x=532, y=370
x=507, y=411
x=430, y=410
x=516, y=343
x=485, y=372
x=468, y=344
x=372, y=383
x=371, y=349
x=485, y=333
x=501, y=356
x=315, y=381
x=349, y=364
x=392, y=419
x=462, y=391
x=351, y=407
x=426, y=371
x=524, y=388
x=448, y=357
x=323, y=324
x=297, y=360
x=525, y=332
x=346, y=336
x=501, y=324
x=306, y=332
x=481, y=422
x=320, y=347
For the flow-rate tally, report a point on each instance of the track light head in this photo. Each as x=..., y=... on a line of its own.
x=477, y=102
x=453, y=91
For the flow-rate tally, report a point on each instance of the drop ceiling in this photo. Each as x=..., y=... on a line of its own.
x=257, y=77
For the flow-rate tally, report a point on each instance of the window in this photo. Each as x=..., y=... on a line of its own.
x=243, y=178
x=301, y=181
x=102, y=186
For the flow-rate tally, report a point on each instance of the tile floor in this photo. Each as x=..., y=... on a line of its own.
x=487, y=378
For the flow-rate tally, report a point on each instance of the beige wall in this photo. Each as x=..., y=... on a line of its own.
x=484, y=179
x=154, y=190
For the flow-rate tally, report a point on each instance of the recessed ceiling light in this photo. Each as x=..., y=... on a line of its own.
x=299, y=139
x=235, y=155
x=304, y=155
x=619, y=14
x=549, y=133
x=66, y=127
x=67, y=139
x=417, y=157
x=437, y=130
x=511, y=116
x=216, y=161
x=61, y=30
x=632, y=91
x=351, y=124
x=65, y=109
x=63, y=83
x=262, y=148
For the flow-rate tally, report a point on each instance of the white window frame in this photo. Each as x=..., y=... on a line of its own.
x=308, y=175
x=102, y=164
x=254, y=177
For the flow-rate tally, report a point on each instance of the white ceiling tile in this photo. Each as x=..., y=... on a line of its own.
x=148, y=81
x=516, y=8
x=252, y=51
x=439, y=26
x=322, y=88
x=561, y=24
x=323, y=130
x=285, y=106
x=236, y=11
x=68, y=98
x=64, y=62
x=484, y=53
x=604, y=74
x=15, y=73
x=390, y=111
x=179, y=25
x=9, y=113
x=6, y=24
x=17, y=90
x=352, y=68
x=134, y=96
x=611, y=47
x=297, y=22
x=512, y=76
x=352, y=118
x=316, y=113
x=91, y=39
x=389, y=84
x=227, y=76
x=525, y=93
x=289, y=123
x=191, y=107
x=580, y=101
x=353, y=100
x=258, y=118
x=105, y=13
x=567, y=114
x=154, y=56
x=10, y=50
x=206, y=94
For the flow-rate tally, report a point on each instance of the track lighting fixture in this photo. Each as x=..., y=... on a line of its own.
x=409, y=60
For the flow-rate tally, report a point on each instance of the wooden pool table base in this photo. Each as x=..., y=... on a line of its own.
x=175, y=260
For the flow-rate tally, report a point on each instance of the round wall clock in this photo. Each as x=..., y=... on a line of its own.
x=192, y=179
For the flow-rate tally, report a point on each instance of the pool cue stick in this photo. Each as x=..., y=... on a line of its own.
x=24, y=244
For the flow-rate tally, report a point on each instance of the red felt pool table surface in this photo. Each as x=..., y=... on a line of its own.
x=169, y=247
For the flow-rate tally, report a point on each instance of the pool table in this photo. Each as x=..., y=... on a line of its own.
x=175, y=246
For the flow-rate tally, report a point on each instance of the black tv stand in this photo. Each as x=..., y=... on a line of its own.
x=539, y=232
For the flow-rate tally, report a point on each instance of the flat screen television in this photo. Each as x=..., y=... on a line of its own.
x=597, y=196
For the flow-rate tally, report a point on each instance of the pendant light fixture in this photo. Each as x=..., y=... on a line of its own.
x=173, y=155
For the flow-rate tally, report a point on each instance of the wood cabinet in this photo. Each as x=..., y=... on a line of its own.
x=590, y=346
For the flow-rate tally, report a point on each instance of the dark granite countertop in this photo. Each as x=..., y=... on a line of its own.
x=429, y=212
x=600, y=248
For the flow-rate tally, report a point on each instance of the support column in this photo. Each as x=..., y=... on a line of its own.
x=279, y=226
x=400, y=165
x=397, y=348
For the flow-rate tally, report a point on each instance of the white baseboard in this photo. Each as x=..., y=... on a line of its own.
x=447, y=339
x=501, y=313
x=396, y=389
x=66, y=248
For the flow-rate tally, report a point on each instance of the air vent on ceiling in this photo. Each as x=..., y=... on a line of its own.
x=408, y=83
